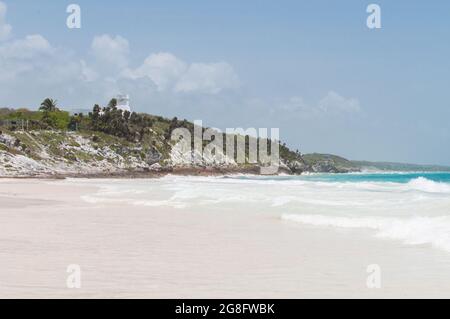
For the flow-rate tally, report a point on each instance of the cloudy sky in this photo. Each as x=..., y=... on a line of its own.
x=311, y=68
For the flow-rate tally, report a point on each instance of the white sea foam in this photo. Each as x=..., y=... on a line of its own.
x=426, y=185
x=412, y=231
x=417, y=212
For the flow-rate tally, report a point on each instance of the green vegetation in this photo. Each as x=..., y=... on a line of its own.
x=341, y=164
x=124, y=133
x=336, y=160
x=56, y=119
x=110, y=120
x=48, y=105
x=329, y=163
x=48, y=117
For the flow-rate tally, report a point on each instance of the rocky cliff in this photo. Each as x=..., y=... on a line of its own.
x=60, y=153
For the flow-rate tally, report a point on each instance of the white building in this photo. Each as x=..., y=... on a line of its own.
x=123, y=102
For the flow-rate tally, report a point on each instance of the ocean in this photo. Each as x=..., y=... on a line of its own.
x=412, y=208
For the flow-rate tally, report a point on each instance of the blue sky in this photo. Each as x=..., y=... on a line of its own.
x=311, y=68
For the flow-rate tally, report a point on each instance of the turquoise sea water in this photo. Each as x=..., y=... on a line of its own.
x=393, y=177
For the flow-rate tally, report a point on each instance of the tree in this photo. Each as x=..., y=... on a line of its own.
x=112, y=103
x=49, y=105
x=111, y=120
x=57, y=119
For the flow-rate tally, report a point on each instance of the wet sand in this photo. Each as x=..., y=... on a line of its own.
x=127, y=251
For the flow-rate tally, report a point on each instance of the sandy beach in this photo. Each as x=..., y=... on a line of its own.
x=131, y=251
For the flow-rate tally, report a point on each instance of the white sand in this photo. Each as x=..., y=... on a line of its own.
x=153, y=252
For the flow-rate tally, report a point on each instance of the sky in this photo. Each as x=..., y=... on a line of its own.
x=313, y=69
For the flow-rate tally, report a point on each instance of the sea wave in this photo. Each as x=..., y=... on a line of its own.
x=434, y=231
x=415, y=212
x=429, y=186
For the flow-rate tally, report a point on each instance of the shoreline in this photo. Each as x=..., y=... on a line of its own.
x=129, y=251
x=181, y=171
x=190, y=171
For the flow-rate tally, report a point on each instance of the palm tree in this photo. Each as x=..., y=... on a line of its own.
x=48, y=105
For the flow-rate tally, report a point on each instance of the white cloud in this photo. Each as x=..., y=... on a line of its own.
x=209, y=78
x=110, y=51
x=27, y=48
x=170, y=73
x=33, y=66
x=24, y=55
x=295, y=104
x=31, y=69
x=33, y=61
x=333, y=102
x=5, y=29
x=164, y=69
x=87, y=73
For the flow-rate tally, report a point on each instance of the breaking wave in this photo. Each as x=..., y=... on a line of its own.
x=426, y=185
x=412, y=231
x=412, y=208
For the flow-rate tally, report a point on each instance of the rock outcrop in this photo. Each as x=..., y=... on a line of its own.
x=54, y=153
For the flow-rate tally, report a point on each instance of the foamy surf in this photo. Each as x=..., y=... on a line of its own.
x=426, y=185
x=412, y=231
x=411, y=207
